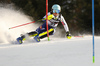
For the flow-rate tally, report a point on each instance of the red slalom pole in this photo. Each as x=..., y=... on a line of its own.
x=22, y=25
x=47, y=18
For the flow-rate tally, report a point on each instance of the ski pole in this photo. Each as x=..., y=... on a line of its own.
x=78, y=36
x=24, y=24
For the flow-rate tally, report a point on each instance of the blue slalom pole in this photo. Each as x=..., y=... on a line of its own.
x=93, y=29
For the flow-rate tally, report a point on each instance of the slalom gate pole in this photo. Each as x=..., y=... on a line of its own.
x=93, y=29
x=47, y=18
x=23, y=24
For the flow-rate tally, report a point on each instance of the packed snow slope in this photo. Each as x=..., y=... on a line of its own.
x=56, y=52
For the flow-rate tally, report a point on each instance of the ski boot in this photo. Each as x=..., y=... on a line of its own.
x=19, y=40
x=37, y=39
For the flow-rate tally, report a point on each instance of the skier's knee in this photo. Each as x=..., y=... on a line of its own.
x=33, y=33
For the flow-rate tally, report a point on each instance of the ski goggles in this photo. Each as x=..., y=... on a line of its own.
x=56, y=11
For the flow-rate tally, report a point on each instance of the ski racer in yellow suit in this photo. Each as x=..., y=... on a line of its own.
x=54, y=17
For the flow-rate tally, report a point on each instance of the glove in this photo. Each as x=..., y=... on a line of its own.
x=68, y=35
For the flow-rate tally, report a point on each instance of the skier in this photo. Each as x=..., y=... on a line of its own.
x=54, y=17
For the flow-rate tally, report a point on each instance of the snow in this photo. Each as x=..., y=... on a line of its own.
x=56, y=52
x=11, y=17
x=77, y=51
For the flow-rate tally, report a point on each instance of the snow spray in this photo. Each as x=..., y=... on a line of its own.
x=10, y=16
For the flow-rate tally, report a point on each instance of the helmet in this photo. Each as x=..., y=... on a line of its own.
x=56, y=8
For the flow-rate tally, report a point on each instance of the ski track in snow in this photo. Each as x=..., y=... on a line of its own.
x=45, y=41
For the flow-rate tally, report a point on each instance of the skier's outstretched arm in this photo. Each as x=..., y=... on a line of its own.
x=68, y=35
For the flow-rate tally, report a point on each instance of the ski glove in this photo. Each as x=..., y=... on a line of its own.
x=68, y=35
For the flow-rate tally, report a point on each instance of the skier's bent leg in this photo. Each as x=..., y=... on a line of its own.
x=23, y=37
x=30, y=34
x=33, y=33
x=44, y=34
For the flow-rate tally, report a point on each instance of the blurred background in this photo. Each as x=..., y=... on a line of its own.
x=77, y=13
